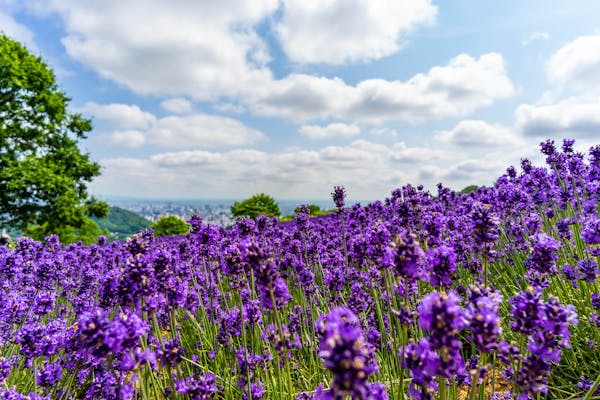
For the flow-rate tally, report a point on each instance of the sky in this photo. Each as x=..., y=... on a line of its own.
x=224, y=99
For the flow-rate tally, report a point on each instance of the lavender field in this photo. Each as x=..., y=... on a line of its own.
x=486, y=295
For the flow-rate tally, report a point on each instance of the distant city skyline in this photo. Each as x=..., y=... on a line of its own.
x=288, y=97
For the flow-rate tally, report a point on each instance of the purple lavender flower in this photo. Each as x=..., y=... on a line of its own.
x=12, y=394
x=44, y=303
x=50, y=375
x=588, y=270
x=544, y=254
x=257, y=391
x=484, y=226
x=548, y=147
x=346, y=354
x=442, y=317
x=567, y=146
x=173, y=353
x=571, y=274
x=339, y=195
x=586, y=384
x=198, y=387
x=441, y=314
x=547, y=326
x=441, y=266
x=424, y=365
x=273, y=288
x=6, y=365
x=562, y=227
x=595, y=298
x=590, y=232
x=526, y=311
x=407, y=256
x=102, y=336
x=483, y=305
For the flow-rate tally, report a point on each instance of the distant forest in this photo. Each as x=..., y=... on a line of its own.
x=122, y=223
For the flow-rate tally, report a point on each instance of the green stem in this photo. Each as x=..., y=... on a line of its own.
x=278, y=325
x=443, y=388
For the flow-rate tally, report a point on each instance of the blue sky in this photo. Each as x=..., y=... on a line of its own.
x=225, y=99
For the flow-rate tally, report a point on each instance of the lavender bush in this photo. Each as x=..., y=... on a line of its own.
x=491, y=294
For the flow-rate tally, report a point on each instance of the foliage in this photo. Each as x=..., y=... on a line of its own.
x=170, y=225
x=88, y=232
x=469, y=189
x=252, y=207
x=43, y=173
x=122, y=223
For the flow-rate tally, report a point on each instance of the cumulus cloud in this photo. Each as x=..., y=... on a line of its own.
x=401, y=153
x=455, y=89
x=565, y=118
x=577, y=64
x=176, y=105
x=485, y=168
x=125, y=116
x=201, y=130
x=128, y=138
x=477, y=133
x=211, y=51
x=331, y=131
x=203, y=49
x=133, y=127
x=341, y=31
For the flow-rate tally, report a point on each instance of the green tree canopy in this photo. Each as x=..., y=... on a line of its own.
x=252, y=207
x=170, y=225
x=469, y=189
x=43, y=173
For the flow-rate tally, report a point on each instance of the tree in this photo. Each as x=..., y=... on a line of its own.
x=170, y=225
x=256, y=205
x=469, y=189
x=43, y=173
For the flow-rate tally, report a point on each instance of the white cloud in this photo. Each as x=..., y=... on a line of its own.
x=401, y=153
x=367, y=169
x=484, y=168
x=133, y=127
x=384, y=132
x=176, y=105
x=125, y=116
x=340, y=31
x=16, y=31
x=477, y=133
x=475, y=171
x=201, y=130
x=568, y=117
x=331, y=131
x=128, y=138
x=456, y=89
x=211, y=51
x=197, y=48
x=577, y=64
x=532, y=37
